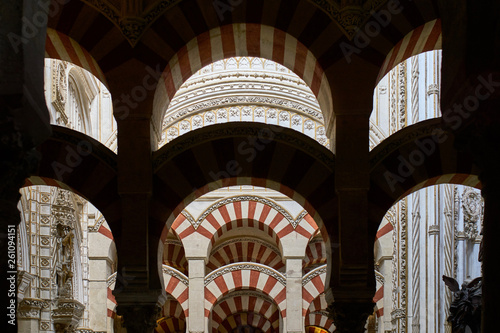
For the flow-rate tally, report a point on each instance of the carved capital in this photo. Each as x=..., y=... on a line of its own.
x=350, y=316
x=29, y=308
x=139, y=318
x=67, y=314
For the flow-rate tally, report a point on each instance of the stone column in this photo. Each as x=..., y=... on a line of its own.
x=490, y=251
x=352, y=282
x=294, y=317
x=138, y=289
x=196, y=320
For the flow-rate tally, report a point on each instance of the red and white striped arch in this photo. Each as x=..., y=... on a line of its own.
x=246, y=319
x=176, y=287
x=245, y=250
x=315, y=254
x=383, y=235
x=425, y=38
x=245, y=213
x=319, y=320
x=248, y=276
x=248, y=304
x=313, y=288
x=172, y=309
x=316, y=314
x=240, y=39
x=174, y=256
x=61, y=47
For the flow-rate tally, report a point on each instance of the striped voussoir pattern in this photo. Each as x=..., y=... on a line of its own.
x=245, y=213
x=176, y=285
x=426, y=37
x=241, y=320
x=250, y=250
x=383, y=235
x=170, y=324
x=317, y=314
x=240, y=39
x=315, y=254
x=76, y=162
x=312, y=287
x=415, y=157
x=209, y=158
x=174, y=256
x=245, y=276
x=172, y=309
x=61, y=47
x=251, y=304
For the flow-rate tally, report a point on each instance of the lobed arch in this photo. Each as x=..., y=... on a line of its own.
x=227, y=279
x=313, y=284
x=239, y=39
x=243, y=302
x=390, y=178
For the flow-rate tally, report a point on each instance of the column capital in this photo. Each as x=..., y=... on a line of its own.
x=350, y=317
x=139, y=318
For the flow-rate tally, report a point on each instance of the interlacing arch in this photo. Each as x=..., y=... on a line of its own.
x=240, y=39
x=246, y=319
x=245, y=276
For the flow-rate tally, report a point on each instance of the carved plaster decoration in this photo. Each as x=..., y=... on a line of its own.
x=59, y=91
x=29, y=308
x=313, y=273
x=433, y=89
x=449, y=234
x=67, y=314
x=217, y=205
x=132, y=25
x=238, y=100
x=473, y=211
x=245, y=266
x=349, y=15
x=399, y=271
x=433, y=229
x=415, y=236
x=111, y=280
x=402, y=95
x=97, y=225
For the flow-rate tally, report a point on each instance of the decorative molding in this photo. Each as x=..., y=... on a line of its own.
x=97, y=225
x=313, y=273
x=226, y=201
x=433, y=229
x=111, y=280
x=245, y=266
x=433, y=89
x=175, y=273
x=29, y=308
x=239, y=100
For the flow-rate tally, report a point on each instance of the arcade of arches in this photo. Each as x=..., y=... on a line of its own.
x=248, y=166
